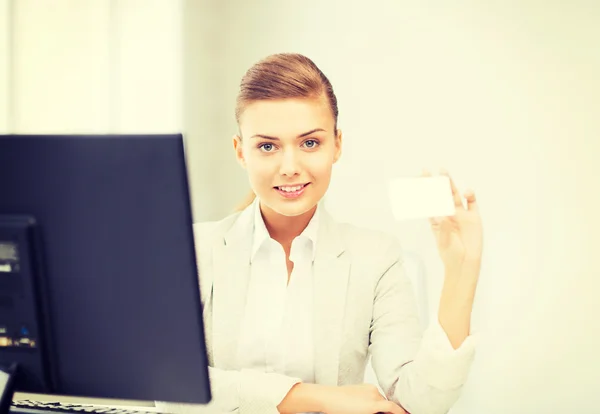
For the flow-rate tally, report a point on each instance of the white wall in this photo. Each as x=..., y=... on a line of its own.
x=207, y=122
x=147, y=40
x=61, y=76
x=504, y=95
x=91, y=66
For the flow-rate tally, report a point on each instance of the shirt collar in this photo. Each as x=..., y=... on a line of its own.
x=261, y=234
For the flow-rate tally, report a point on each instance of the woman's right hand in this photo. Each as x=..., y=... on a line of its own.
x=358, y=399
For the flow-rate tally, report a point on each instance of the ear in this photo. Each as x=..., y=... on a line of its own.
x=338, y=146
x=239, y=153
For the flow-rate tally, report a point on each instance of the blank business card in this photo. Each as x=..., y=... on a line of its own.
x=421, y=197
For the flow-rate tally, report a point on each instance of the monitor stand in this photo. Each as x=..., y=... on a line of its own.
x=7, y=387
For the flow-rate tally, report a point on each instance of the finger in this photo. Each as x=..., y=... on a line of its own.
x=425, y=173
x=389, y=407
x=435, y=221
x=443, y=232
x=458, y=202
x=471, y=200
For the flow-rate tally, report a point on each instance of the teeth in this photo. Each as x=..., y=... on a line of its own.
x=291, y=189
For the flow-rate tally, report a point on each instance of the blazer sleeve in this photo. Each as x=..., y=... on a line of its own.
x=249, y=391
x=421, y=372
x=242, y=392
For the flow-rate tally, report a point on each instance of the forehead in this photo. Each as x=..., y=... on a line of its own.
x=286, y=117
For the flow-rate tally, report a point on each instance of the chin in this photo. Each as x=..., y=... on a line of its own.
x=292, y=208
x=293, y=211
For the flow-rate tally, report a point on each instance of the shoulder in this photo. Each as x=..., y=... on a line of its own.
x=206, y=233
x=373, y=248
x=365, y=238
x=215, y=227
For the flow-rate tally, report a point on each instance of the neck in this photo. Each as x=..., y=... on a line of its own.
x=285, y=229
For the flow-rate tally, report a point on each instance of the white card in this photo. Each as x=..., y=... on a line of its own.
x=421, y=197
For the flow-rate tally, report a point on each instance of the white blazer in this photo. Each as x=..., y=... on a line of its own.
x=363, y=305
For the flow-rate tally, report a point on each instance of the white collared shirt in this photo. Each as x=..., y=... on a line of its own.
x=277, y=330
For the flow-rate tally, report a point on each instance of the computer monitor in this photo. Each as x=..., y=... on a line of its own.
x=99, y=292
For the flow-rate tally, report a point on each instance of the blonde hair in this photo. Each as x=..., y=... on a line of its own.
x=250, y=197
x=283, y=76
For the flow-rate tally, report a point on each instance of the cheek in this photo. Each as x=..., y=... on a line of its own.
x=260, y=168
x=319, y=165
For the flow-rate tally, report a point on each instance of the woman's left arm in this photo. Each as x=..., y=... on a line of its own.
x=426, y=374
x=423, y=373
x=456, y=303
x=459, y=242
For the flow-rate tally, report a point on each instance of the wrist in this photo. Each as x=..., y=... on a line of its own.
x=467, y=270
x=458, y=291
x=322, y=395
x=471, y=265
x=304, y=397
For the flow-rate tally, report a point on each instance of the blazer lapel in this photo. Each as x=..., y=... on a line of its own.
x=331, y=270
x=231, y=267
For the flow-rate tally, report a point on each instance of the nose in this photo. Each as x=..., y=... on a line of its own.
x=290, y=165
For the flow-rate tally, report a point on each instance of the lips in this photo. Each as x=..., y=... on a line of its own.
x=291, y=191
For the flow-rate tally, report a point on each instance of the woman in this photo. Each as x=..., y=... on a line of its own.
x=294, y=302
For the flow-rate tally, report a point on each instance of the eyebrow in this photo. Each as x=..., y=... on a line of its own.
x=299, y=136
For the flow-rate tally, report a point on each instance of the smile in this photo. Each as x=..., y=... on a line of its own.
x=291, y=191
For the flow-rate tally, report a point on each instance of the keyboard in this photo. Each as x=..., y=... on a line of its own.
x=39, y=407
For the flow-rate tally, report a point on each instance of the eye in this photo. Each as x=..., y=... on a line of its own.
x=311, y=143
x=266, y=147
